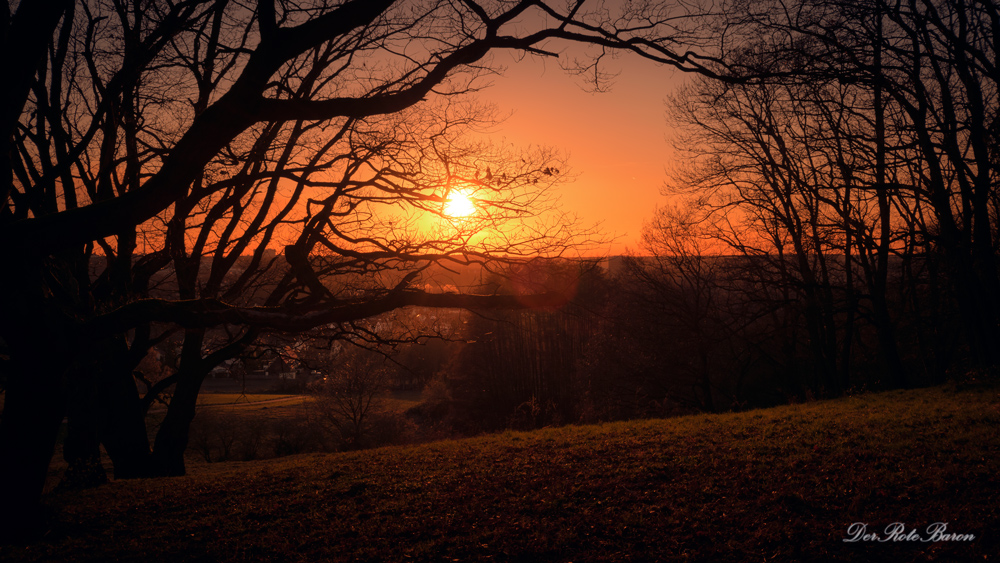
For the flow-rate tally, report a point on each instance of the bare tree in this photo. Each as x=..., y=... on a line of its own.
x=782, y=175
x=852, y=156
x=679, y=279
x=351, y=394
x=174, y=143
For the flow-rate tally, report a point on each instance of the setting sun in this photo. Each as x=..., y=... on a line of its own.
x=459, y=205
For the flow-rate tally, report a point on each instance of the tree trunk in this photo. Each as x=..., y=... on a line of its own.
x=32, y=416
x=172, y=438
x=888, y=346
x=82, y=446
x=35, y=322
x=123, y=423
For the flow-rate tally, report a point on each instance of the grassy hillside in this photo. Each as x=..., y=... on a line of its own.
x=779, y=484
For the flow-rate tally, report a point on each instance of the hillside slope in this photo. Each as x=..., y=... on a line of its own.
x=779, y=484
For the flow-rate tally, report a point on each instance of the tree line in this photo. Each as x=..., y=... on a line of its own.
x=860, y=175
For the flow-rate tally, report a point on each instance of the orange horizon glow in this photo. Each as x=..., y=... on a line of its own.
x=618, y=142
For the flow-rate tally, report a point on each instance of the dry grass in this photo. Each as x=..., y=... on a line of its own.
x=240, y=399
x=778, y=484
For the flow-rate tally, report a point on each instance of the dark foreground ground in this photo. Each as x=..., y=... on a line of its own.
x=783, y=484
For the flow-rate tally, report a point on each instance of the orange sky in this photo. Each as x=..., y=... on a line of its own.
x=618, y=142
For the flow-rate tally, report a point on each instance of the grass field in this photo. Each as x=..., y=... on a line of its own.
x=398, y=400
x=237, y=398
x=781, y=484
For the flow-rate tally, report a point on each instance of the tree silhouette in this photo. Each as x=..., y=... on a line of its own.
x=224, y=170
x=853, y=165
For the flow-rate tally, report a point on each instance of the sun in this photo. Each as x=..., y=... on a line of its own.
x=459, y=205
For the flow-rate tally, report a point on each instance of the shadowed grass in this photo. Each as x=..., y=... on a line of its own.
x=239, y=398
x=778, y=484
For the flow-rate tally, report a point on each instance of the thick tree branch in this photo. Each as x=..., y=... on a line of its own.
x=218, y=125
x=25, y=37
x=203, y=313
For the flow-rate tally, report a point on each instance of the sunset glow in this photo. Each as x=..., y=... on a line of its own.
x=459, y=205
